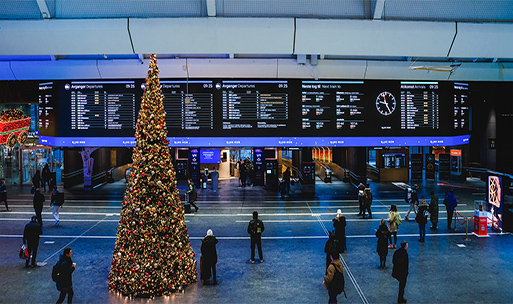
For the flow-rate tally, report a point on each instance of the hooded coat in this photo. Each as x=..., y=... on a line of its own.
x=433, y=209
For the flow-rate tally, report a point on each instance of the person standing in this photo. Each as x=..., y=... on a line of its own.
x=360, y=189
x=3, y=194
x=65, y=284
x=433, y=210
x=382, y=248
x=394, y=220
x=36, y=179
x=56, y=201
x=334, y=278
x=31, y=239
x=330, y=247
x=38, y=202
x=192, y=195
x=450, y=205
x=255, y=229
x=243, y=172
x=208, y=258
x=286, y=180
x=339, y=222
x=400, y=270
x=46, y=175
x=421, y=219
x=367, y=200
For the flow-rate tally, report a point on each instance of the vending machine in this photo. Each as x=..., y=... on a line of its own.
x=308, y=172
x=181, y=169
x=271, y=174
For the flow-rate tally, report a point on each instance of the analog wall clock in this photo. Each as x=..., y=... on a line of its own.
x=385, y=103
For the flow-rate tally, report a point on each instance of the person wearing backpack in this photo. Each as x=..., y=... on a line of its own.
x=421, y=218
x=339, y=222
x=382, y=249
x=191, y=193
x=56, y=201
x=255, y=229
x=63, y=279
x=334, y=278
x=394, y=220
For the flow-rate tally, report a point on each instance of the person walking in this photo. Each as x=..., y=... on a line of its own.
x=414, y=200
x=334, y=278
x=46, y=175
x=192, y=195
x=31, y=235
x=65, y=284
x=367, y=201
x=400, y=270
x=360, y=189
x=36, y=180
x=3, y=194
x=208, y=258
x=450, y=203
x=243, y=171
x=38, y=202
x=330, y=247
x=56, y=201
x=394, y=220
x=339, y=222
x=382, y=248
x=433, y=210
x=421, y=219
x=255, y=229
x=286, y=180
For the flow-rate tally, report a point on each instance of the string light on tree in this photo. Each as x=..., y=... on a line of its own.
x=153, y=255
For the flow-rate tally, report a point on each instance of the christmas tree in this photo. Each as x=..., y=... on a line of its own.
x=153, y=256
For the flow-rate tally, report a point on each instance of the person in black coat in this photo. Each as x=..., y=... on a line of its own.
x=36, y=179
x=421, y=218
x=331, y=247
x=382, y=234
x=38, y=202
x=255, y=230
x=400, y=270
x=208, y=258
x=339, y=222
x=46, y=175
x=3, y=194
x=65, y=284
x=31, y=239
x=191, y=193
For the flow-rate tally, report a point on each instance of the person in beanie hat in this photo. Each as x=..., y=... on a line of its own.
x=339, y=222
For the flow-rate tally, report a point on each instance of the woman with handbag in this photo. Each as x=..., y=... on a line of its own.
x=394, y=220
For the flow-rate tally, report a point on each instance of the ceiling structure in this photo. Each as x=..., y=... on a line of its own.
x=323, y=39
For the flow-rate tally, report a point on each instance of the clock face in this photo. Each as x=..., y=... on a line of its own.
x=385, y=103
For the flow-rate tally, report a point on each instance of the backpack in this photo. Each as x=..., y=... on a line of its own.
x=338, y=282
x=398, y=220
x=59, y=198
x=56, y=271
x=257, y=226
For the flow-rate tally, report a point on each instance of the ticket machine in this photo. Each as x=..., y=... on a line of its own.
x=181, y=169
x=308, y=172
x=271, y=174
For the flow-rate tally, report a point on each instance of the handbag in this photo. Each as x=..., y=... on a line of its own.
x=24, y=252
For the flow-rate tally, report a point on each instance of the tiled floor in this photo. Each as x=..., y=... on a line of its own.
x=444, y=269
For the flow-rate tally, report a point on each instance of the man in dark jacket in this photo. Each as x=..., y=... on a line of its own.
x=255, y=229
x=46, y=175
x=38, y=202
x=3, y=194
x=450, y=204
x=339, y=222
x=208, y=258
x=286, y=180
x=400, y=270
x=64, y=284
x=367, y=201
x=433, y=210
x=191, y=193
x=421, y=218
x=31, y=239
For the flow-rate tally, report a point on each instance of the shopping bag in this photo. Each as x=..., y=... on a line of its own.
x=24, y=252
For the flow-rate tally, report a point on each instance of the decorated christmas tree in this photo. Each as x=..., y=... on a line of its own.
x=153, y=256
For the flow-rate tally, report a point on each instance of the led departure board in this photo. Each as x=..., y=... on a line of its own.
x=46, y=108
x=250, y=112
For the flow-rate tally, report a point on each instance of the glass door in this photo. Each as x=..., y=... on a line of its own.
x=33, y=159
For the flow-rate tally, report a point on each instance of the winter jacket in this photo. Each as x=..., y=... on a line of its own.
x=392, y=225
x=433, y=209
x=65, y=281
x=420, y=214
x=367, y=197
x=400, y=261
x=208, y=249
x=382, y=235
x=31, y=233
x=450, y=202
x=339, y=223
x=38, y=201
x=57, y=199
x=336, y=265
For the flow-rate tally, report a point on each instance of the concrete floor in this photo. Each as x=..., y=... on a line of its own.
x=444, y=269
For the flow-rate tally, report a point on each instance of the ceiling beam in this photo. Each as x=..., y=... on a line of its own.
x=211, y=8
x=378, y=9
x=45, y=12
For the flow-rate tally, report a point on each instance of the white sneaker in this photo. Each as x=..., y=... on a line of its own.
x=251, y=261
x=262, y=260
